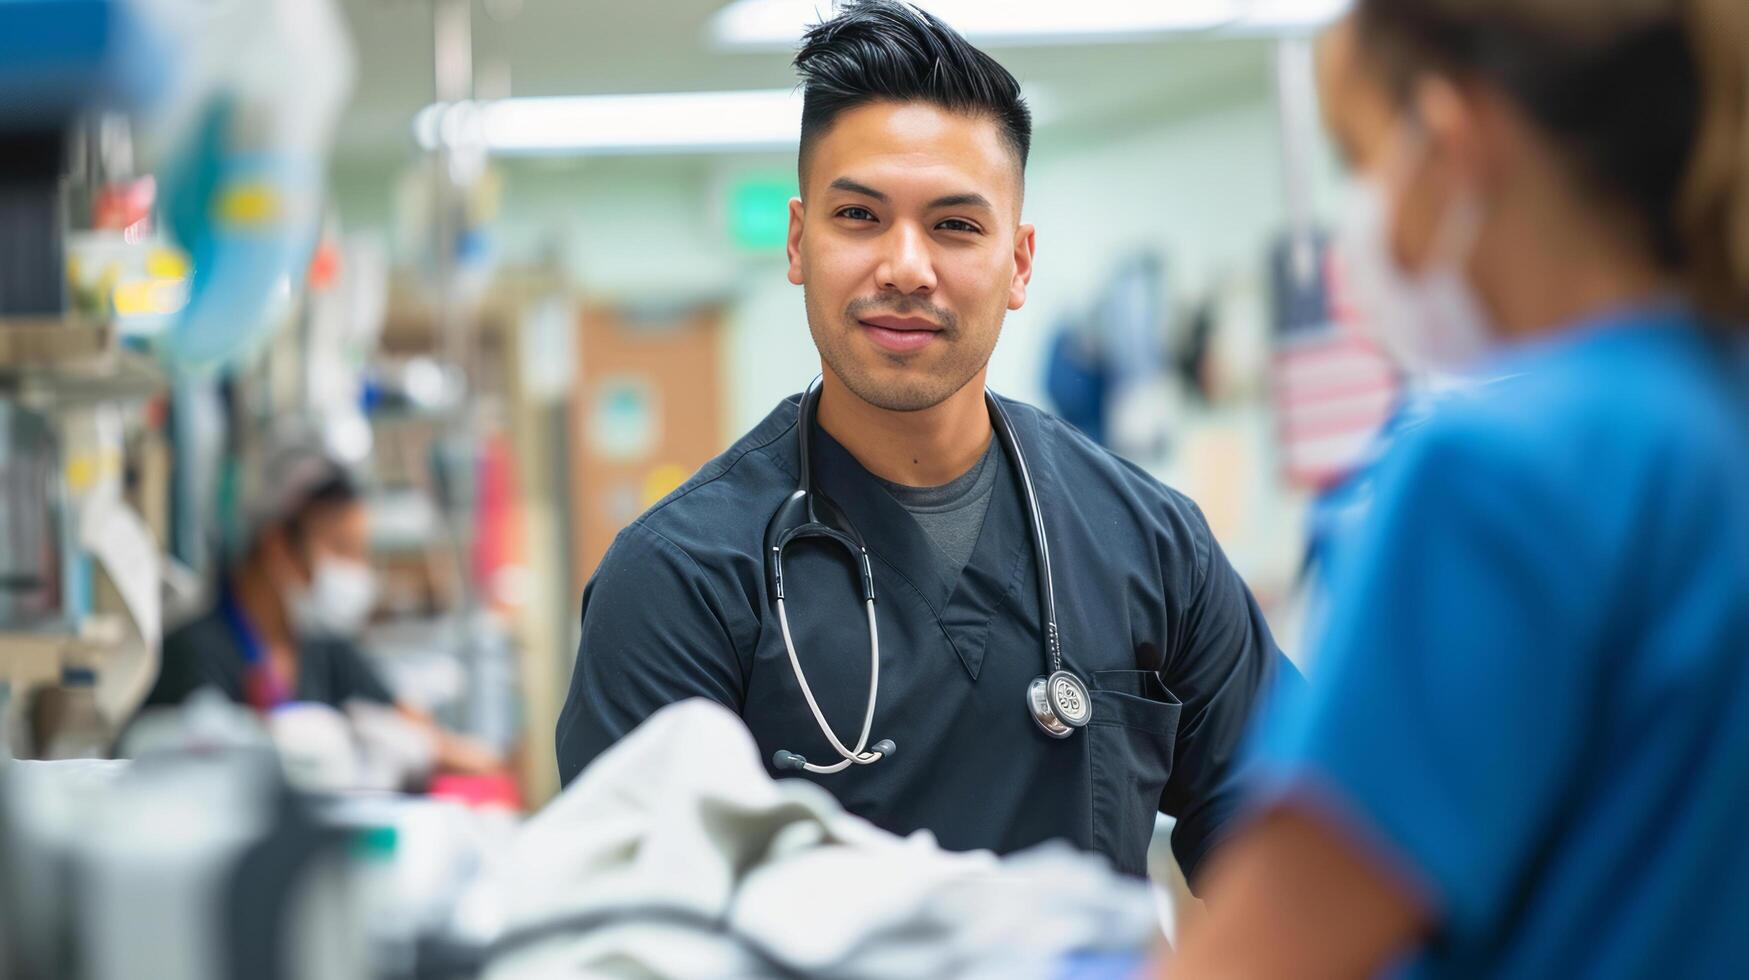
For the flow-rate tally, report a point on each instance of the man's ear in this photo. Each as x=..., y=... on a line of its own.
x=796, y=212
x=1025, y=245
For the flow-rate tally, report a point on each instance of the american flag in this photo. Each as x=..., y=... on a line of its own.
x=1334, y=387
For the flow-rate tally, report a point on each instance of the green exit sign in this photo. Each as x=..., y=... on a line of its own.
x=759, y=212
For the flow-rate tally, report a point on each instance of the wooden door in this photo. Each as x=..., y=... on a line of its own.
x=647, y=413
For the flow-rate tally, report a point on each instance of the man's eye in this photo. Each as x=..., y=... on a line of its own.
x=957, y=224
x=857, y=214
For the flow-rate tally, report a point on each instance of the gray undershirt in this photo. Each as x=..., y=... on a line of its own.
x=952, y=514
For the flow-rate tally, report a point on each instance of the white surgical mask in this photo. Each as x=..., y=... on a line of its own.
x=1432, y=321
x=337, y=602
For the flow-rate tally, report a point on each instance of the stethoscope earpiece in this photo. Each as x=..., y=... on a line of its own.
x=784, y=760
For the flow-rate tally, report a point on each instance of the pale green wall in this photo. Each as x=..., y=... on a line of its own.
x=1205, y=189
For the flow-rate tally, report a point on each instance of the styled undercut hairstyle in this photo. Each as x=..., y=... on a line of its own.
x=886, y=51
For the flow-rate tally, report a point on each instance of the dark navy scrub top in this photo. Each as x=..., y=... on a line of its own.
x=1152, y=617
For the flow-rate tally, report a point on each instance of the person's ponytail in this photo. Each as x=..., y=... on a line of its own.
x=1714, y=218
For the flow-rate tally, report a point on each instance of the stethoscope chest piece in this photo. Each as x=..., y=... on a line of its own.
x=1059, y=703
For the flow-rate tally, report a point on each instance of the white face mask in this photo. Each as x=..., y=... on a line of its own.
x=1433, y=322
x=337, y=602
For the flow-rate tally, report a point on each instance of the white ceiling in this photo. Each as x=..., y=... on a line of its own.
x=576, y=47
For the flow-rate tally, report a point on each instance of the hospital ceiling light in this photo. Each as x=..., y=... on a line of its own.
x=602, y=125
x=677, y=122
x=1287, y=16
x=768, y=24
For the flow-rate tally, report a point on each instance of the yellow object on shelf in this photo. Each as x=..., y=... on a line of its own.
x=250, y=205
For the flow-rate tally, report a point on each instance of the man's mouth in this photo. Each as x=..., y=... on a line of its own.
x=900, y=334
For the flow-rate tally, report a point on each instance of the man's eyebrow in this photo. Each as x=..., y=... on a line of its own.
x=846, y=184
x=962, y=201
x=965, y=200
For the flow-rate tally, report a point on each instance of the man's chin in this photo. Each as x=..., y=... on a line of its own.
x=900, y=388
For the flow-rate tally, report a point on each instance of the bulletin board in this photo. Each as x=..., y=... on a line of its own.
x=646, y=414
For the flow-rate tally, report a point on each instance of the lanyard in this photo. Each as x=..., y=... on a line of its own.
x=263, y=688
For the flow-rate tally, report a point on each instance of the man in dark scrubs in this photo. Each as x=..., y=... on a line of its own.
x=908, y=243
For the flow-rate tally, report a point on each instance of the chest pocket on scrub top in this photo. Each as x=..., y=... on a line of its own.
x=1134, y=729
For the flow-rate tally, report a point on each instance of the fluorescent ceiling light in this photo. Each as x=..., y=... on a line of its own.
x=1289, y=16
x=779, y=23
x=678, y=122
x=606, y=124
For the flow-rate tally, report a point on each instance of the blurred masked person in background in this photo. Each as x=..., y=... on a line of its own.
x=289, y=610
x=1526, y=748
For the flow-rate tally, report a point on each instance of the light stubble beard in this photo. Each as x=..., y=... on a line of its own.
x=917, y=390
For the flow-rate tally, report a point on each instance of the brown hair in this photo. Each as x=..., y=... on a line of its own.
x=1649, y=100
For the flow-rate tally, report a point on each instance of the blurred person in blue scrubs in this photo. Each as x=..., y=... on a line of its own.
x=1525, y=751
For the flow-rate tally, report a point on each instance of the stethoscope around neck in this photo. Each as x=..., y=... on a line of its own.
x=1057, y=700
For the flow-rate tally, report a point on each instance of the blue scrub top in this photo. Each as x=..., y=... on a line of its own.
x=1531, y=691
x=1152, y=617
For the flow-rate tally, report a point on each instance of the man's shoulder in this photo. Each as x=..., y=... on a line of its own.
x=731, y=498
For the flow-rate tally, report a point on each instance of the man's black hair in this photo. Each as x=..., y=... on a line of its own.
x=886, y=51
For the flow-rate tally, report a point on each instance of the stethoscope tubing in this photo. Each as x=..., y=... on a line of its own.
x=858, y=755
x=861, y=754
